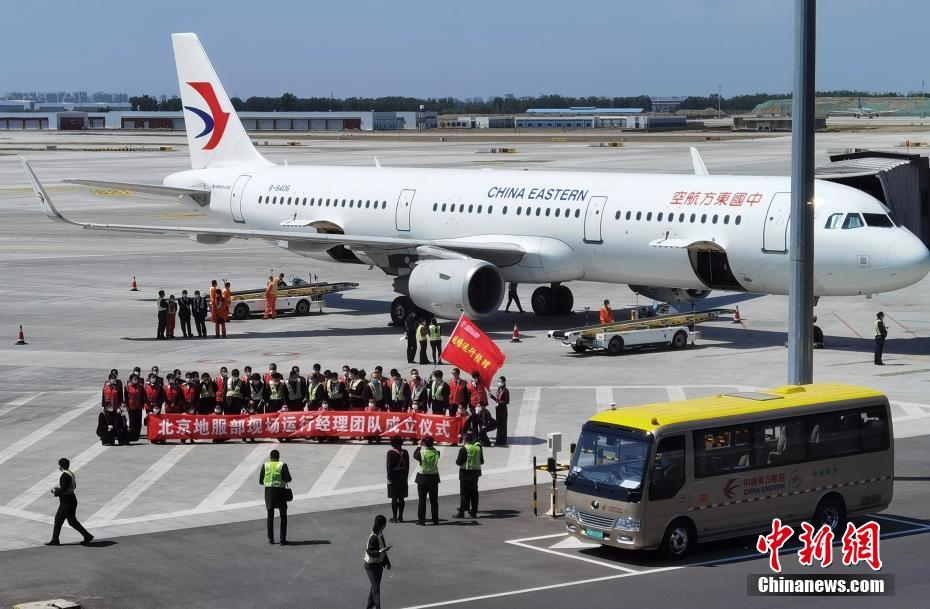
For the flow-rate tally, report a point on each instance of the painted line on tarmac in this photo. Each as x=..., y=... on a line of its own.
x=20, y=401
x=603, y=398
x=676, y=393
x=335, y=470
x=26, y=515
x=236, y=478
x=42, y=486
x=525, y=428
x=49, y=428
x=138, y=486
x=520, y=543
x=911, y=410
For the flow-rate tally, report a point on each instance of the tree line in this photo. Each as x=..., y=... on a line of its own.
x=288, y=102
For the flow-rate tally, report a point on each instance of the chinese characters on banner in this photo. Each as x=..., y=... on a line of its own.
x=349, y=424
x=472, y=350
x=860, y=544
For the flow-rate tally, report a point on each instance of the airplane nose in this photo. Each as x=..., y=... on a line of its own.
x=909, y=260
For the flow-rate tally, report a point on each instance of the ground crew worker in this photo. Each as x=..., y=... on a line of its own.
x=161, y=308
x=376, y=389
x=235, y=390
x=435, y=341
x=135, y=402
x=222, y=314
x=502, y=398
x=112, y=393
x=271, y=297
x=301, y=379
x=109, y=425
x=422, y=338
x=419, y=393
x=512, y=296
x=470, y=459
x=227, y=299
x=174, y=398
x=184, y=313
x=458, y=388
x=207, y=399
x=316, y=392
x=272, y=370
x=376, y=560
x=439, y=394
x=221, y=380
x=398, y=470
x=295, y=395
x=410, y=328
x=256, y=394
x=357, y=389
x=172, y=317
x=274, y=476
x=427, y=480
x=338, y=398
x=607, y=314
x=154, y=395
x=400, y=393
x=275, y=393
x=881, y=332
x=214, y=291
x=67, y=505
x=158, y=380
x=199, y=311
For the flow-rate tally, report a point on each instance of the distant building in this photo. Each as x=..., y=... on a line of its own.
x=582, y=111
x=666, y=104
x=609, y=121
x=771, y=123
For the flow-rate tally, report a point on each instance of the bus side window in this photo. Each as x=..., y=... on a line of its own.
x=668, y=469
x=779, y=442
x=873, y=429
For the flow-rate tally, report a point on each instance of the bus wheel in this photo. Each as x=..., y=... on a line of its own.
x=302, y=308
x=615, y=346
x=679, y=539
x=579, y=348
x=241, y=311
x=680, y=340
x=831, y=511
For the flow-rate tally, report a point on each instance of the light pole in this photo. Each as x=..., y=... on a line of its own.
x=923, y=88
x=719, y=89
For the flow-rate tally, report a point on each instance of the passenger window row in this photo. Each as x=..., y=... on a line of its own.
x=557, y=212
x=321, y=202
x=765, y=444
x=670, y=218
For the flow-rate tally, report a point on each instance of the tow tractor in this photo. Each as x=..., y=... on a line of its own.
x=675, y=330
x=297, y=295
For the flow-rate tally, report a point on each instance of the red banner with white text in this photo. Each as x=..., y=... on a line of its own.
x=330, y=424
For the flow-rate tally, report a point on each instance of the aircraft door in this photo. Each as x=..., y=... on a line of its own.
x=235, y=198
x=775, y=233
x=404, y=209
x=592, y=220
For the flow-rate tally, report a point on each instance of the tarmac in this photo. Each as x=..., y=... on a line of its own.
x=159, y=510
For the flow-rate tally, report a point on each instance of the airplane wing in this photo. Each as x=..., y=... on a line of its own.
x=202, y=197
x=299, y=234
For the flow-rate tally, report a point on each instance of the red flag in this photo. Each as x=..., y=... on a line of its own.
x=472, y=350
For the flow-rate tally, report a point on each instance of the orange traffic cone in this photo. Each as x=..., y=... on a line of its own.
x=133, y=287
x=516, y=334
x=736, y=318
x=21, y=339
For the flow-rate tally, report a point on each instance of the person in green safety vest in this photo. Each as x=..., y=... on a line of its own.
x=274, y=476
x=427, y=480
x=435, y=341
x=422, y=338
x=470, y=459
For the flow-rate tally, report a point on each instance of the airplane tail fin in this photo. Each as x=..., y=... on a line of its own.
x=215, y=136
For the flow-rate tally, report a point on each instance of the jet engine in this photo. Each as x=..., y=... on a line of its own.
x=672, y=296
x=448, y=288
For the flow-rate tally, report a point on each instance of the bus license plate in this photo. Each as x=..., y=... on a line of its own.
x=594, y=534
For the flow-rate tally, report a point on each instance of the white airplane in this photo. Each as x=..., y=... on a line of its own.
x=859, y=111
x=452, y=238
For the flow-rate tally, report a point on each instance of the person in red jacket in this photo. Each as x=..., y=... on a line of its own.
x=174, y=399
x=221, y=381
x=458, y=392
x=112, y=394
x=154, y=395
x=135, y=402
x=478, y=393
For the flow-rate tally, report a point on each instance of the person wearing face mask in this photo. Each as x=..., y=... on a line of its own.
x=485, y=423
x=256, y=394
x=275, y=394
x=502, y=398
x=458, y=392
x=154, y=396
x=158, y=380
x=419, y=392
x=235, y=390
x=336, y=392
x=174, y=398
x=272, y=370
x=357, y=391
x=122, y=431
x=470, y=459
x=135, y=401
x=400, y=393
x=439, y=394
x=112, y=393
x=296, y=395
x=477, y=392
x=398, y=470
x=190, y=393
x=316, y=391
x=376, y=390
x=207, y=398
x=109, y=423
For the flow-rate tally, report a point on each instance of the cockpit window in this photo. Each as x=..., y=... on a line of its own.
x=879, y=220
x=852, y=221
x=834, y=221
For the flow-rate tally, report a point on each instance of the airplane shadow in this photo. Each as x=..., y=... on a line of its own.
x=738, y=337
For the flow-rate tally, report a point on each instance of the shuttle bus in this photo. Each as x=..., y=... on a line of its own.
x=667, y=475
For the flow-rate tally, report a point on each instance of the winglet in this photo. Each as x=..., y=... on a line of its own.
x=699, y=168
x=47, y=206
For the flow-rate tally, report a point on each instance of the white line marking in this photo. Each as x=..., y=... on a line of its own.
x=338, y=465
x=138, y=486
x=27, y=515
x=603, y=398
x=236, y=478
x=45, y=484
x=911, y=410
x=14, y=449
x=676, y=394
x=20, y=401
x=573, y=557
x=525, y=429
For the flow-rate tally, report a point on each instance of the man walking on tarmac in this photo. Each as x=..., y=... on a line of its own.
x=271, y=297
x=199, y=311
x=470, y=459
x=274, y=476
x=513, y=297
x=161, y=307
x=435, y=340
x=67, y=505
x=607, y=314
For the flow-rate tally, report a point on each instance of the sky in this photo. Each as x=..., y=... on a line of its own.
x=467, y=49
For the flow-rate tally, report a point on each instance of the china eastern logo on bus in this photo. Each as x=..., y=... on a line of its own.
x=860, y=544
x=214, y=120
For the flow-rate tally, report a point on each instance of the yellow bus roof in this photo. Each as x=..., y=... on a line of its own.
x=649, y=417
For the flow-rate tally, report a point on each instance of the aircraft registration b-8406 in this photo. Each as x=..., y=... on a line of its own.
x=453, y=237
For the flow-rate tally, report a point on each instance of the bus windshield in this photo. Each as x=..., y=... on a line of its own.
x=610, y=462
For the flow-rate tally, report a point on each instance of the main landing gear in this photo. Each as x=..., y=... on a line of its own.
x=552, y=300
x=401, y=308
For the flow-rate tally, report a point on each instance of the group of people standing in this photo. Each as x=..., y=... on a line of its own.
x=195, y=307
